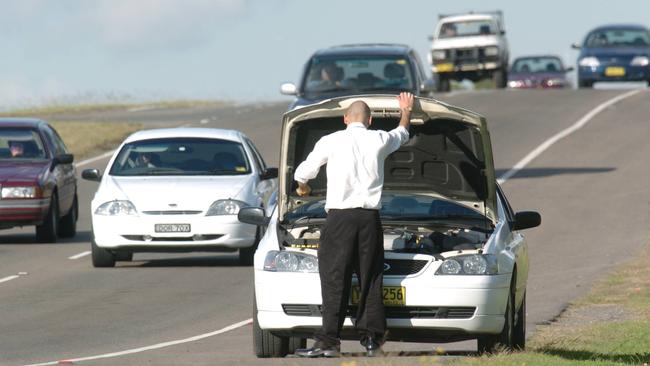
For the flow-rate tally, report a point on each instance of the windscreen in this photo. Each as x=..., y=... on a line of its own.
x=361, y=74
x=20, y=143
x=468, y=28
x=537, y=65
x=618, y=38
x=181, y=156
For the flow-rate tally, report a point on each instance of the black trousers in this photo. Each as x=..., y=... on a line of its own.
x=351, y=241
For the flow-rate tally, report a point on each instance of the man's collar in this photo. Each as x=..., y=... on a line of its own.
x=356, y=125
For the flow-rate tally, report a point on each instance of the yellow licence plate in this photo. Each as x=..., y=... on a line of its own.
x=393, y=295
x=445, y=67
x=615, y=71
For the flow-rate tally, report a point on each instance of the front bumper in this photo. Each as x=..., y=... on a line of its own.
x=20, y=212
x=207, y=233
x=604, y=73
x=486, y=294
x=450, y=67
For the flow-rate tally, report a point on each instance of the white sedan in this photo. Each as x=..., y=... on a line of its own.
x=178, y=190
x=456, y=264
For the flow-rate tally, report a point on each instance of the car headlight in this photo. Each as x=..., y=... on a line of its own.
x=516, y=84
x=439, y=54
x=472, y=264
x=225, y=207
x=288, y=261
x=20, y=192
x=491, y=51
x=554, y=82
x=589, y=62
x=640, y=61
x=117, y=208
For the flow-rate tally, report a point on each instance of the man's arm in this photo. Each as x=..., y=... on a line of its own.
x=405, y=106
x=400, y=135
x=309, y=168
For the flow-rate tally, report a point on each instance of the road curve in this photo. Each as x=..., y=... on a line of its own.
x=590, y=187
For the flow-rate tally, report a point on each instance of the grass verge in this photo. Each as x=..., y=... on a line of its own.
x=55, y=109
x=87, y=139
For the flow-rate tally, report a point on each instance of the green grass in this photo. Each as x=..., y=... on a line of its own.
x=87, y=139
x=55, y=109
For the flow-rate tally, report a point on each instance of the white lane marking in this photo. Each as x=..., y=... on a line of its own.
x=80, y=255
x=9, y=278
x=152, y=347
x=562, y=134
x=94, y=159
x=204, y=121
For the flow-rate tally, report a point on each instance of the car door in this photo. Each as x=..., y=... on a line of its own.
x=518, y=247
x=64, y=173
x=265, y=187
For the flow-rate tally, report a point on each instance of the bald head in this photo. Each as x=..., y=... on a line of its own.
x=358, y=112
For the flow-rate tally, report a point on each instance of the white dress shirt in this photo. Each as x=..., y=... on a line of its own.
x=355, y=164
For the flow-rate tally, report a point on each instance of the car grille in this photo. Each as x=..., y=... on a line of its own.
x=176, y=212
x=173, y=238
x=404, y=267
x=466, y=55
x=392, y=312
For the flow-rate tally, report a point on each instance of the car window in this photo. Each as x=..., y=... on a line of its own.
x=21, y=143
x=510, y=215
x=537, y=65
x=467, y=28
x=416, y=57
x=256, y=154
x=358, y=74
x=59, y=146
x=618, y=38
x=181, y=156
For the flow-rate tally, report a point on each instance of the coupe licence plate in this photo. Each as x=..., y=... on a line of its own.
x=615, y=71
x=172, y=228
x=445, y=67
x=393, y=295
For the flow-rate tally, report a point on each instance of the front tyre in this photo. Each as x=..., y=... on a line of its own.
x=47, y=232
x=68, y=223
x=101, y=257
x=500, y=78
x=442, y=83
x=246, y=255
x=267, y=344
x=506, y=339
x=519, y=337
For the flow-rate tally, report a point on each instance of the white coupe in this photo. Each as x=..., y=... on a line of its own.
x=178, y=190
x=456, y=264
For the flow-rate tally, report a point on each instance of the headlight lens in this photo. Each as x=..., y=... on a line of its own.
x=491, y=51
x=117, y=208
x=516, y=84
x=472, y=264
x=589, y=62
x=225, y=207
x=640, y=61
x=439, y=54
x=554, y=82
x=20, y=192
x=288, y=261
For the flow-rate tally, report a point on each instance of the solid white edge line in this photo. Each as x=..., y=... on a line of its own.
x=94, y=159
x=562, y=134
x=8, y=278
x=82, y=254
x=152, y=347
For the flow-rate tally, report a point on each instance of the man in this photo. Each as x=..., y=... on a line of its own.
x=352, y=238
x=16, y=149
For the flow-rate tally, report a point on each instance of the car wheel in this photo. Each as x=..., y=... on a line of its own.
x=246, y=255
x=442, y=83
x=123, y=256
x=68, y=223
x=519, y=336
x=504, y=340
x=101, y=257
x=267, y=344
x=47, y=232
x=500, y=79
x=582, y=84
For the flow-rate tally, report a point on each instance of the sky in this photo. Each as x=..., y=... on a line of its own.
x=84, y=51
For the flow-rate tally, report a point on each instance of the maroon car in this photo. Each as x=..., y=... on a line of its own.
x=38, y=185
x=546, y=72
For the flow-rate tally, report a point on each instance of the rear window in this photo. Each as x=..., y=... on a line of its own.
x=181, y=156
x=618, y=38
x=21, y=143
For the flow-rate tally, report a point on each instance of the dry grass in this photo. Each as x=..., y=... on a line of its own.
x=55, y=109
x=86, y=139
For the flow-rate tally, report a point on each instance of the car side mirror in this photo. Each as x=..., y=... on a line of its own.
x=526, y=220
x=503, y=33
x=269, y=173
x=92, y=175
x=428, y=86
x=253, y=216
x=569, y=69
x=288, y=89
x=576, y=46
x=64, y=159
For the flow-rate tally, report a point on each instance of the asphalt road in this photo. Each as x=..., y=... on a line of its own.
x=591, y=189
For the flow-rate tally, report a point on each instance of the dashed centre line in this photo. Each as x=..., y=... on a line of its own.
x=80, y=255
x=8, y=278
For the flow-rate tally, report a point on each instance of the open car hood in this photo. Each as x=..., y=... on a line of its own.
x=448, y=153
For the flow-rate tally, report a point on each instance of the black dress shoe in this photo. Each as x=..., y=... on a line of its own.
x=320, y=350
x=373, y=347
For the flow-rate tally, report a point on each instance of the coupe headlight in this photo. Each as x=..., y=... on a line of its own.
x=472, y=264
x=117, y=208
x=225, y=207
x=439, y=54
x=640, y=61
x=491, y=51
x=20, y=192
x=589, y=62
x=287, y=261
